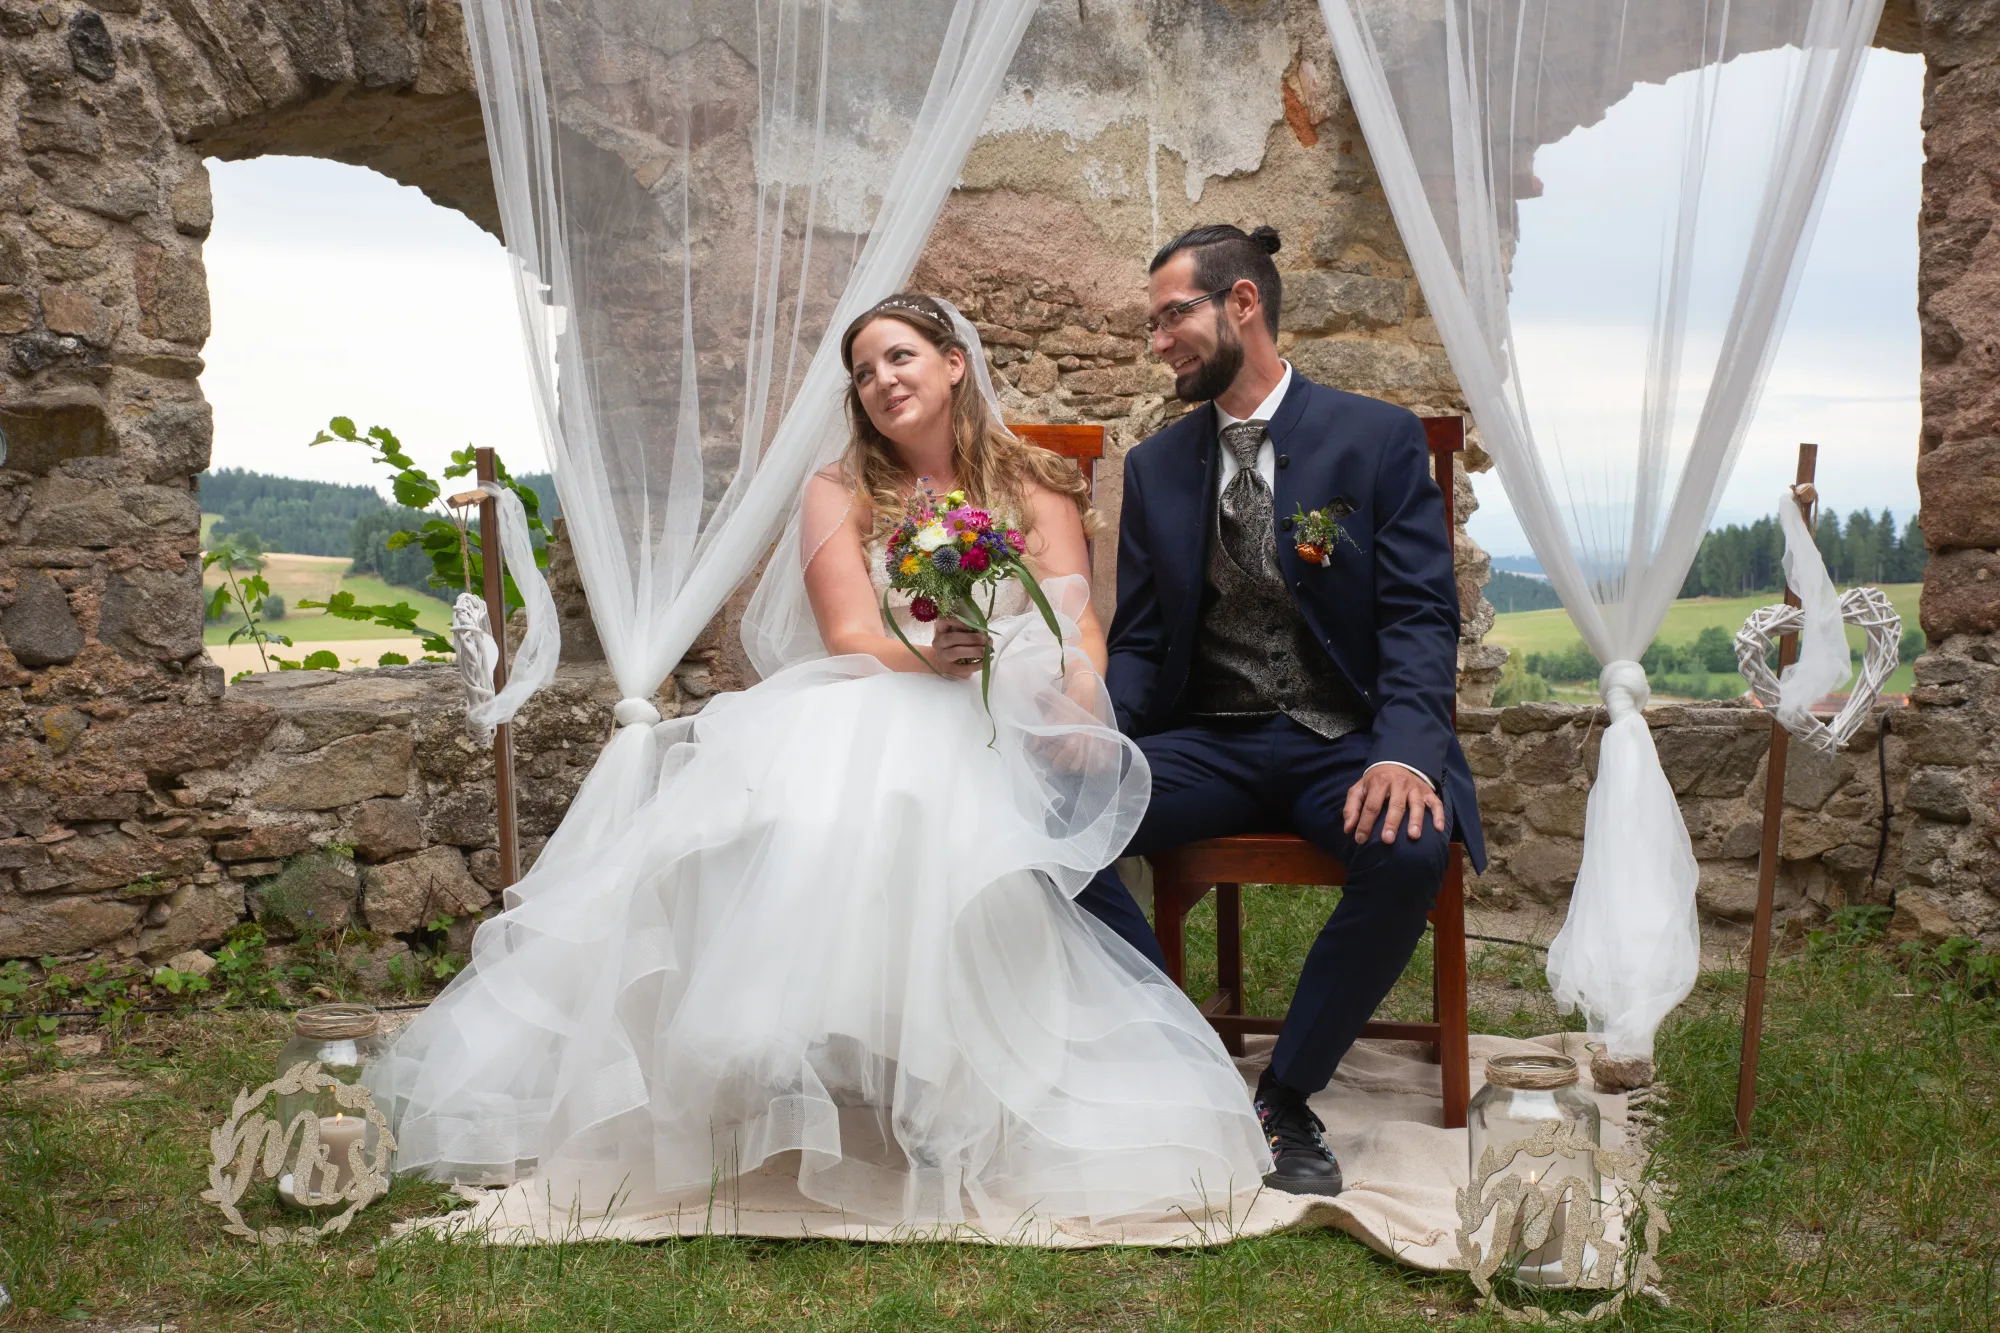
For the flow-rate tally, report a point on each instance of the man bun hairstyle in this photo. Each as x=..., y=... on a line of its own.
x=1226, y=255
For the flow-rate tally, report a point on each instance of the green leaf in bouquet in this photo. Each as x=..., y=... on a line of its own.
x=1037, y=596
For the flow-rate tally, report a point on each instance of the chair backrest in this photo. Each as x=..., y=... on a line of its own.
x=1446, y=436
x=1085, y=444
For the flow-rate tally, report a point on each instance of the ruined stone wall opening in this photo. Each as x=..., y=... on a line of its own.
x=337, y=290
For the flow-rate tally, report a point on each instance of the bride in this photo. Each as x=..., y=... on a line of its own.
x=838, y=942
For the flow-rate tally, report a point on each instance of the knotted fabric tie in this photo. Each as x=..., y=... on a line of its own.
x=1622, y=685
x=1246, y=502
x=635, y=712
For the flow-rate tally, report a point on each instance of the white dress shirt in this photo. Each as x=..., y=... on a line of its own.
x=1267, y=453
x=1267, y=467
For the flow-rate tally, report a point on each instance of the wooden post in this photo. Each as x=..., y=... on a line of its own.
x=496, y=614
x=1767, y=857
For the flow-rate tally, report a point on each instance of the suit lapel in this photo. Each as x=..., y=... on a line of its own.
x=1196, y=469
x=1289, y=438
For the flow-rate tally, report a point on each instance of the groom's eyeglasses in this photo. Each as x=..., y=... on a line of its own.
x=1171, y=316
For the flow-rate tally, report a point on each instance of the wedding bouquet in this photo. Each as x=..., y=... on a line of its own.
x=947, y=554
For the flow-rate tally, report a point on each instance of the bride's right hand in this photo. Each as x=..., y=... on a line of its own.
x=956, y=649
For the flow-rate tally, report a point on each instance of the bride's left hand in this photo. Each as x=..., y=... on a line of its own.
x=957, y=648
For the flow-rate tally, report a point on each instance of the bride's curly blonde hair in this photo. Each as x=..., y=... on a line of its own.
x=993, y=467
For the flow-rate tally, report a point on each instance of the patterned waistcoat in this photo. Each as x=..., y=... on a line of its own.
x=1254, y=654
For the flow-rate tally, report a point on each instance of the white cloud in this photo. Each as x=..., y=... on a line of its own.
x=1846, y=373
x=336, y=291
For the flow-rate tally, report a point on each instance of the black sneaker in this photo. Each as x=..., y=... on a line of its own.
x=1302, y=1162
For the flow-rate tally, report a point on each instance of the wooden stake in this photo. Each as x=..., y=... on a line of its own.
x=496, y=614
x=1767, y=856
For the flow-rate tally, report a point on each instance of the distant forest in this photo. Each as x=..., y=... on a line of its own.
x=284, y=513
x=1736, y=560
x=1518, y=592
x=324, y=518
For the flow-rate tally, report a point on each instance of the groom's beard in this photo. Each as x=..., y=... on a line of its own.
x=1212, y=378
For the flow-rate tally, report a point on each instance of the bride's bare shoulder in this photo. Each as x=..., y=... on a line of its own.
x=833, y=498
x=1046, y=505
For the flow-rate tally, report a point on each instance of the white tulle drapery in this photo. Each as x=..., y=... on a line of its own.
x=693, y=193
x=1607, y=206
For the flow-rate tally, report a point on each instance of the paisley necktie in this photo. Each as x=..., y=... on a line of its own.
x=1246, y=502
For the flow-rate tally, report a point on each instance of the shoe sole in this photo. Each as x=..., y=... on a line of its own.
x=1321, y=1186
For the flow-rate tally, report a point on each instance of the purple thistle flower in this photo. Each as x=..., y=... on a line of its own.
x=945, y=558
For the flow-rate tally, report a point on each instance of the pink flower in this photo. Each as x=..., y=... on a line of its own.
x=973, y=560
x=923, y=609
x=1015, y=541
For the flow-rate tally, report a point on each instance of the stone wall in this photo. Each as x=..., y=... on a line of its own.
x=1534, y=764
x=134, y=790
x=107, y=703
x=1952, y=861
x=358, y=798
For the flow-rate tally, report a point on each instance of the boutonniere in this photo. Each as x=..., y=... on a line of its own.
x=1319, y=532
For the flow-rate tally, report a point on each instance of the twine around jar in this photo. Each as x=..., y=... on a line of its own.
x=1532, y=1072
x=336, y=1022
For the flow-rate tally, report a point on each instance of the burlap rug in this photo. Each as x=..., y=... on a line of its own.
x=1384, y=1119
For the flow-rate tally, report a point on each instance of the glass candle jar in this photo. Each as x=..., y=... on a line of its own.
x=1524, y=1094
x=342, y=1039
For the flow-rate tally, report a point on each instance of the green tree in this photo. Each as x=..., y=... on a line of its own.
x=292, y=514
x=1714, y=650
x=407, y=566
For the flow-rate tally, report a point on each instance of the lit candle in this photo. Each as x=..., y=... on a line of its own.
x=1541, y=1266
x=338, y=1133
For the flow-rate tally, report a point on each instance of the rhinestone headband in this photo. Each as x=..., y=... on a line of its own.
x=930, y=312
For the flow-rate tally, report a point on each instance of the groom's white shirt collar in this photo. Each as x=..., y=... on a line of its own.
x=1267, y=453
x=1267, y=466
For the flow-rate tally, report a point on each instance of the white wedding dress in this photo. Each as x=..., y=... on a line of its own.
x=841, y=929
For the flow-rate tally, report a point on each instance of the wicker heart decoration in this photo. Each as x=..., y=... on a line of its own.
x=1866, y=607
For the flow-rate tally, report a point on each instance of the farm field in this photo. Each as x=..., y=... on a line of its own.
x=1524, y=632
x=297, y=577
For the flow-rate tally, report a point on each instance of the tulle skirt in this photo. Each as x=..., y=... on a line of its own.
x=831, y=916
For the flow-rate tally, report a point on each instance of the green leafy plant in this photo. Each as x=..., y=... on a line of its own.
x=180, y=984
x=455, y=548
x=241, y=968
x=242, y=590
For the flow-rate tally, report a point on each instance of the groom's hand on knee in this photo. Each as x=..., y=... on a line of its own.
x=1395, y=795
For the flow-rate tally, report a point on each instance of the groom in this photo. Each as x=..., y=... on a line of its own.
x=1272, y=693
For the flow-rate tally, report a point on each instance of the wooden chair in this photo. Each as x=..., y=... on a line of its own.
x=1183, y=875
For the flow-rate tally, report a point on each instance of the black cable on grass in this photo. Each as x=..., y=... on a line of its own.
x=1888, y=811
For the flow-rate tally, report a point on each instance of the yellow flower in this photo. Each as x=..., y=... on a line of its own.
x=968, y=537
x=955, y=499
x=911, y=564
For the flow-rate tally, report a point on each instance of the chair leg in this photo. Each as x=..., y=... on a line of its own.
x=1229, y=956
x=1170, y=909
x=1454, y=1023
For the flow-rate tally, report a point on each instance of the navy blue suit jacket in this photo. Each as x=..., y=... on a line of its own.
x=1387, y=613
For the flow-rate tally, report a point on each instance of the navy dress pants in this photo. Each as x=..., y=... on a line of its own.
x=1217, y=778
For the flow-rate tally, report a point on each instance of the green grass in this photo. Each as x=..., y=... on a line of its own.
x=1866, y=1200
x=1527, y=632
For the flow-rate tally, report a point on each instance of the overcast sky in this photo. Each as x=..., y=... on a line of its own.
x=337, y=291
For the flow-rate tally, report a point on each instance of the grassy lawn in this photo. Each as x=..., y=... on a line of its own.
x=1525, y=632
x=1867, y=1199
